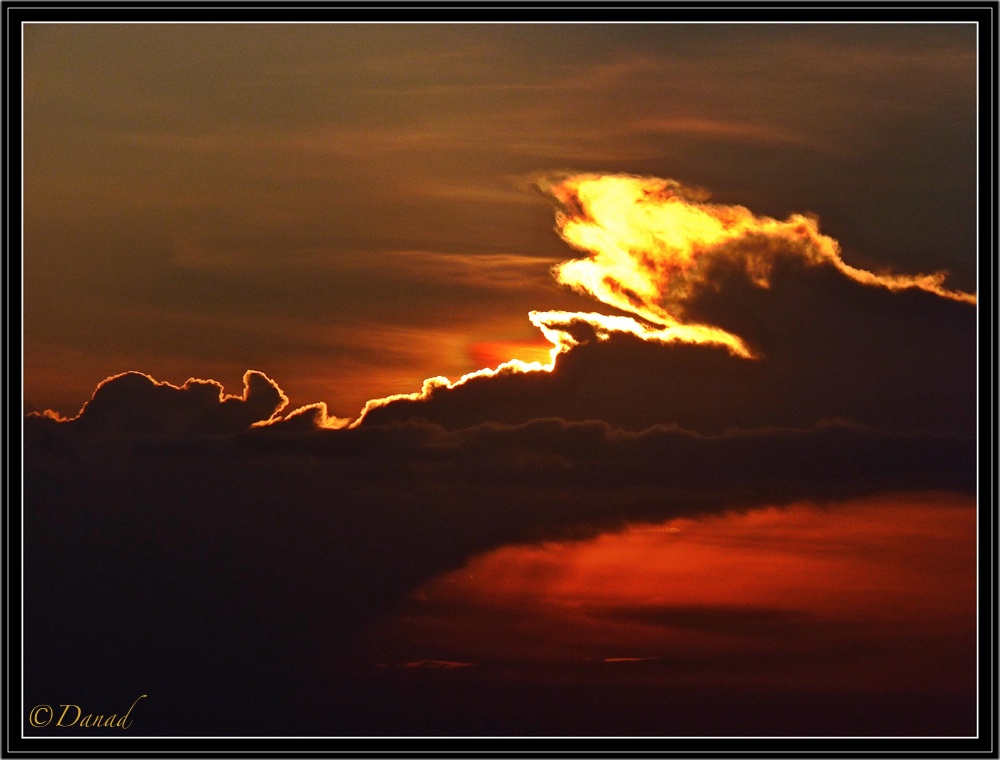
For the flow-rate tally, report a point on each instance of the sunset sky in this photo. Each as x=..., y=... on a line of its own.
x=719, y=478
x=350, y=208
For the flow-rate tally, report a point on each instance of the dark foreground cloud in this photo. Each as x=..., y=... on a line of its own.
x=159, y=562
x=135, y=404
x=827, y=347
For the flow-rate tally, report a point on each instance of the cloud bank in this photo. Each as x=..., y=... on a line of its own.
x=729, y=320
x=190, y=534
x=252, y=558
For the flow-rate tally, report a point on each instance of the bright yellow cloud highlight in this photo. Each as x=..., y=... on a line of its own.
x=651, y=245
x=652, y=242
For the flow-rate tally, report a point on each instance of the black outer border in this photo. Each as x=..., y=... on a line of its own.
x=983, y=12
x=514, y=11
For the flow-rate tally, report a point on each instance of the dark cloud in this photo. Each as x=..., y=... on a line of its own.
x=726, y=619
x=135, y=404
x=829, y=347
x=184, y=554
x=744, y=641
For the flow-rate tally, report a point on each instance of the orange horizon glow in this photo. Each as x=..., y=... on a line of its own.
x=884, y=577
